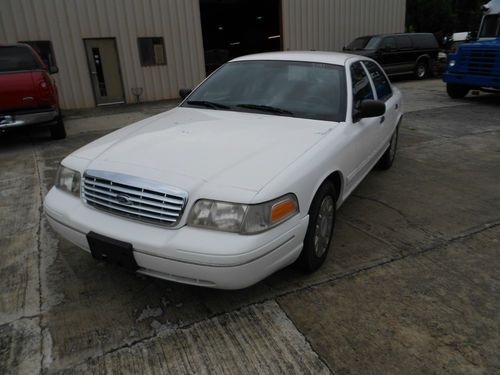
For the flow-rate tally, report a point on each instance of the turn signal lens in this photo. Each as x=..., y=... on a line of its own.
x=282, y=209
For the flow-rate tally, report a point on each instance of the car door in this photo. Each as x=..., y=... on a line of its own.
x=362, y=136
x=384, y=93
x=387, y=54
x=406, y=55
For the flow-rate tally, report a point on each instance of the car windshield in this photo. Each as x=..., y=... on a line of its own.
x=17, y=58
x=490, y=27
x=287, y=88
x=365, y=42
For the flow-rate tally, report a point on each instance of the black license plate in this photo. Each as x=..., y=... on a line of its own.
x=112, y=251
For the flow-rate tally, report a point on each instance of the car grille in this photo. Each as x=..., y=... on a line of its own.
x=479, y=61
x=133, y=197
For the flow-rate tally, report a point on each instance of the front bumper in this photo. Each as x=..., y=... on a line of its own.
x=26, y=119
x=474, y=81
x=187, y=255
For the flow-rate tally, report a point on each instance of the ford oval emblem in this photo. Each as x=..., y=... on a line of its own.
x=123, y=199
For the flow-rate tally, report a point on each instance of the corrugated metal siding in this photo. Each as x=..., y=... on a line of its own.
x=328, y=25
x=67, y=22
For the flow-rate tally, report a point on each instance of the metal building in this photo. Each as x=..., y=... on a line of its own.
x=114, y=51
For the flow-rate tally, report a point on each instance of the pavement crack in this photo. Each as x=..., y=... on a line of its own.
x=39, y=260
x=462, y=236
x=381, y=202
x=396, y=210
x=307, y=340
x=368, y=233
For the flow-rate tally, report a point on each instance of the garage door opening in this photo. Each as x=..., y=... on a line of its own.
x=233, y=28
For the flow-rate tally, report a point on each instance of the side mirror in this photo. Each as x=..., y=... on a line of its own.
x=53, y=69
x=183, y=93
x=369, y=108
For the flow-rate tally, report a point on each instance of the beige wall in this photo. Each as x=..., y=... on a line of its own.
x=67, y=22
x=330, y=24
x=307, y=25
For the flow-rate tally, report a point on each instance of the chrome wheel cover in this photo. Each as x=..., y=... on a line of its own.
x=324, y=225
x=421, y=70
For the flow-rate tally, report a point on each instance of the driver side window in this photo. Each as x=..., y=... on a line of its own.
x=361, y=87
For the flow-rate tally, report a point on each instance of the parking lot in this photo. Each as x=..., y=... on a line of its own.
x=411, y=286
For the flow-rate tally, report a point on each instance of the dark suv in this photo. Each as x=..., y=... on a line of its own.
x=28, y=94
x=399, y=53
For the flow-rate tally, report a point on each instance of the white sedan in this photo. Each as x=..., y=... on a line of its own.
x=241, y=179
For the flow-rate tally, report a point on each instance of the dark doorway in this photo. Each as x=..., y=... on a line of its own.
x=233, y=28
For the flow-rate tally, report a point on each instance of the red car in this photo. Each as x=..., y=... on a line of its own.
x=28, y=95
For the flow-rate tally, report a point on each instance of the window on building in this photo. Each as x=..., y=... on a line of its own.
x=152, y=51
x=44, y=50
x=382, y=86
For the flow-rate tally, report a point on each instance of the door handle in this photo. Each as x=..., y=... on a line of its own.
x=382, y=119
x=94, y=73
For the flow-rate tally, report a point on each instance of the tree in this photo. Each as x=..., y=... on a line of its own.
x=443, y=17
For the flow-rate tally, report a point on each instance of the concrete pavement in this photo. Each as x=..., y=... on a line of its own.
x=411, y=285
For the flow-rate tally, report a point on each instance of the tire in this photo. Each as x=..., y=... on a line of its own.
x=320, y=228
x=58, y=131
x=422, y=69
x=387, y=159
x=456, y=91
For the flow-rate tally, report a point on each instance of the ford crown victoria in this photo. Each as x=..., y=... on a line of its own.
x=243, y=178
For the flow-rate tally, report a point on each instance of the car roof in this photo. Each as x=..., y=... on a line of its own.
x=334, y=58
x=393, y=34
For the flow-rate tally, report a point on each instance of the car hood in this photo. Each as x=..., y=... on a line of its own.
x=187, y=146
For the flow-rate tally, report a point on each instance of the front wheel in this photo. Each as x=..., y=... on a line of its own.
x=456, y=91
x=320, y=228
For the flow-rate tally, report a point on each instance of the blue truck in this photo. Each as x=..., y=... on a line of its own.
x=476, y=65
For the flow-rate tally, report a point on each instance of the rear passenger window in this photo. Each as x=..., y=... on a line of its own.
x=388, y=43
x=403, y=42
x=361, y=88
x=382, y=85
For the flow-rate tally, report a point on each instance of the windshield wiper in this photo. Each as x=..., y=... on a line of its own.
x=266, y=108
x=208, y=104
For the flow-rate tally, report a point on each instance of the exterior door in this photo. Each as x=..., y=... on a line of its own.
x=104, y=71
x=364, y=135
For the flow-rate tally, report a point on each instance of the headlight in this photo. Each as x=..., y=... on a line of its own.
x=242, y=218
x=452, y=63
x=68, y=180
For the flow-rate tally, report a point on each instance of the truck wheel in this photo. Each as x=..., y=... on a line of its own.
x=57, y=131
x=320, y=228
x=456, y=91
x=422, y=69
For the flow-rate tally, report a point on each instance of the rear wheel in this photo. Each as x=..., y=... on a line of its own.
x=422, y=69
x=387, y=159
x=456, y=91
x=320, y=228
x=58, y=131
